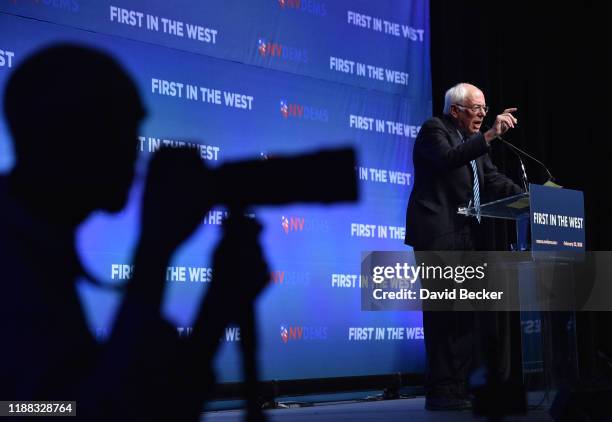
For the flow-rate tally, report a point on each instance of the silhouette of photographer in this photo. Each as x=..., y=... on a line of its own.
x=73, y=114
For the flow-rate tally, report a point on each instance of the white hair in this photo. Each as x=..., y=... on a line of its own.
x=455, y=95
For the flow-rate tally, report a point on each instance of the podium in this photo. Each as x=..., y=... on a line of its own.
x=548, y=221
x=554, y=215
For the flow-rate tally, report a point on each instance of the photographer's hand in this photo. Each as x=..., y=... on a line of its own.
x=174, y=205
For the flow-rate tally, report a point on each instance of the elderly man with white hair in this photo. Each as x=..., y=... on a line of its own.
x=452, y=168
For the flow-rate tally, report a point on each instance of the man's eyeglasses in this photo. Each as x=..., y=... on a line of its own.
x=475, y=108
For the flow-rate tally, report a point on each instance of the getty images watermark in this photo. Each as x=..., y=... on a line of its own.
x=494, y=281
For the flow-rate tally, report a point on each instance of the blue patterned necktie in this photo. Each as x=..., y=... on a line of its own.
x=475, y=187
x=476, y=190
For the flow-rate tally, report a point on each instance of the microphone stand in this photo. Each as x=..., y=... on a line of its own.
x=517, y=150
x=523, y=171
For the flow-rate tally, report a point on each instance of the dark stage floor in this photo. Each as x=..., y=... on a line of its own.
x=411, y=409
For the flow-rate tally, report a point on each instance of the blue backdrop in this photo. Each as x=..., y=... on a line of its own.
x=241, y=79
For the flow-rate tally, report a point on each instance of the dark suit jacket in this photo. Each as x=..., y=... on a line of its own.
x=443, y=181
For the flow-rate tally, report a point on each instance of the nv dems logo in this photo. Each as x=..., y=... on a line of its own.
x=300, y=333
x=301, y=111
x=298, y=224
x=290, y=278
x=306, y=6
x=67, y=5
x=281, y=51
x=292, y=224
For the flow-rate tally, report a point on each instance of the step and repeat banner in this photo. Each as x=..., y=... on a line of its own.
x=246, y=79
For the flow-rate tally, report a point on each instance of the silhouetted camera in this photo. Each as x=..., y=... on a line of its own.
x=324, y=177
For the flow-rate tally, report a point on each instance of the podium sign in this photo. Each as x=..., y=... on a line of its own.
x=557, y=219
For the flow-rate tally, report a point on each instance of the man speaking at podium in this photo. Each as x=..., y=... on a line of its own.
x=452, y=168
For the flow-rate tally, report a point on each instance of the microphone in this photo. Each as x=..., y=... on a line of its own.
x=524, y=172
x=517, y=150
